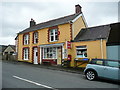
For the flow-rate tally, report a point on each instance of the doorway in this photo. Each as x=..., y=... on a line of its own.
x=35, y=59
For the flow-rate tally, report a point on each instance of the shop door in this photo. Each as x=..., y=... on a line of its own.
x=59, y=56
x=35, y=56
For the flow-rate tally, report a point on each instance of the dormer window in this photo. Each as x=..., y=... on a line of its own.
x=35, y=37
x=26, y=39
x=53, y=35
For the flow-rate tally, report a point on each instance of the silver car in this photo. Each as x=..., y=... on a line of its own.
x=103, y=68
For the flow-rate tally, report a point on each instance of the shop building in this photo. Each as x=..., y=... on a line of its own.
x=47, y=41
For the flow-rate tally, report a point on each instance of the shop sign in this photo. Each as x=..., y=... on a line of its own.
x=68, y=43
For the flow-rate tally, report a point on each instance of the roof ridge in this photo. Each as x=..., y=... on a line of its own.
x=57, y=18
x=50, y=23
x=98, y=26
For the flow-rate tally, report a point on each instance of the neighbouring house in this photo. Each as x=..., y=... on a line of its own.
x=8, y=52
x=2, y=48
x=47, y=41
x=102, y=42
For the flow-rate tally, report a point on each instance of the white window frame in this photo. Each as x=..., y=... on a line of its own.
x=26, y=39
x=54, y=35
x=26, y=53
x=35, y=36
x=50, y=52
x=81, y=48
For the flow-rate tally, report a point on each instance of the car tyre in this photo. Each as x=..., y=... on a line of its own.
x=91, y=75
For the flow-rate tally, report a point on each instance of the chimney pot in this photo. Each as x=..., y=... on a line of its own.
x=78, y=9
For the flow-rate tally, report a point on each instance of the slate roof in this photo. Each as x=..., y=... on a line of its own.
x=93, y=33
x=110, y=32
x=13, y=47
x=51, y=23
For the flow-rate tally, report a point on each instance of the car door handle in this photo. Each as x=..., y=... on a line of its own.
x=105, y=68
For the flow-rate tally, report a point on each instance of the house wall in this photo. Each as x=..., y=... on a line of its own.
x=67, y=33
x=43, y=39
x=93, y=50
x=20, y=46
x=77, y=26
x=113, y=52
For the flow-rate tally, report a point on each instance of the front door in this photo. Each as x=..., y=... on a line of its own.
x=35, y=56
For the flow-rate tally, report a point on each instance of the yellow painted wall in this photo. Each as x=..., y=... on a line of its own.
x=77, y=26
x=43, y=39
x=20, y=42
x=93, y=49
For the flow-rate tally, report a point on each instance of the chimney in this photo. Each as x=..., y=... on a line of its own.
x=78, y=9
x=32, y=23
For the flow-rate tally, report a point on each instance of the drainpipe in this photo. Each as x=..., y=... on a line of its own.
x=101, y=46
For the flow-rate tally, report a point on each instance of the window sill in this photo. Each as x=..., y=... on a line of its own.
x=26, y=44
x=25, y=59
x=50, y=58
x=35, y=43
x=54, y=41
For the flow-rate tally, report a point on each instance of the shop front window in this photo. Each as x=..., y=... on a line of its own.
x=50, y=53
x=81, y=51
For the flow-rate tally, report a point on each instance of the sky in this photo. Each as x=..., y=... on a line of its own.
x=15, y=15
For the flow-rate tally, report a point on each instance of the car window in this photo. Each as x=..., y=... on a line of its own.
x=98, y=62
x=112, y=63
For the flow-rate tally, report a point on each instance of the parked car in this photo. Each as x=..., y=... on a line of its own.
x=103, y=68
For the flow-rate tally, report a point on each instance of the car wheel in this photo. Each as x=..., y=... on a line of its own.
x=90, y=75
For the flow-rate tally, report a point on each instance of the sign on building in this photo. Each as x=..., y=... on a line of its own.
x=68, y=44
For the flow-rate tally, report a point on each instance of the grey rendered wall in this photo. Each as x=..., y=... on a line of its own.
x=113, y=52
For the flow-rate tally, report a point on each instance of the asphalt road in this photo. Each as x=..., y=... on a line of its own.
x=25, y=76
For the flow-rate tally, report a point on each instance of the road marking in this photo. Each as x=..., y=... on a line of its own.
x=34, y=83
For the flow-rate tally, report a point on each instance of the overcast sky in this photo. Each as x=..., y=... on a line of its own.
x=15, y=16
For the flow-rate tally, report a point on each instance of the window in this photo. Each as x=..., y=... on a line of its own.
x=26, y=53
x=35, y=37
x=26, y=39
x=98, y=62
x=50, y=53
x=81, y=51
x=53, y=35
x=11, y=53
x=111, y=63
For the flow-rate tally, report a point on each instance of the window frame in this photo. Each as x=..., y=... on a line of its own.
x=48, y=53
x=34, y=38
x=27, y=54
x=26, y=39
x=55, y=33
x=81, y=48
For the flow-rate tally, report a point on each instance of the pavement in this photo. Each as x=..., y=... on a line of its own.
x=52, y=67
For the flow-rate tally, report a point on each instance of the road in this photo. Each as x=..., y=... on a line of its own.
x=25, y=76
